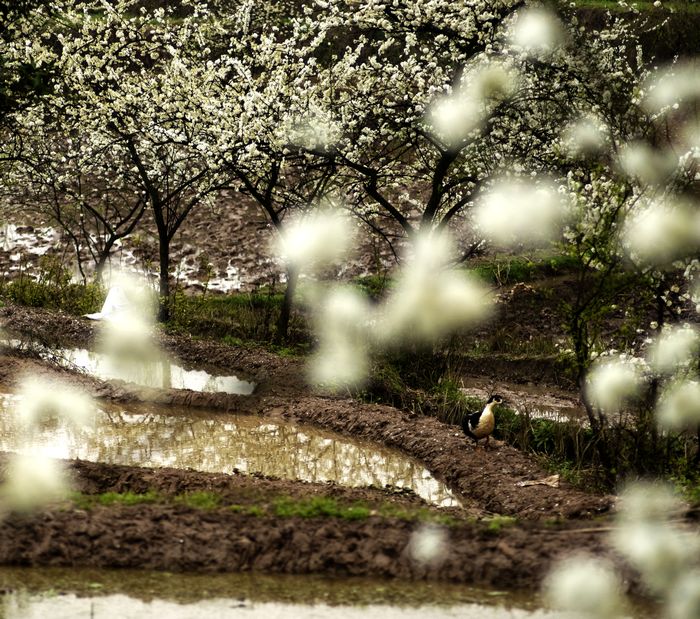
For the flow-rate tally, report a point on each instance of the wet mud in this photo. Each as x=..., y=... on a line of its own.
x=549, y=522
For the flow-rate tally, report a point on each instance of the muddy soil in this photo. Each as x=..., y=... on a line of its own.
x=550, y=521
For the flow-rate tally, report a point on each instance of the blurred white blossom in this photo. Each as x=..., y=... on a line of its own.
x=317, y=239
x=41, y=399
x=428, y=545
x=610, y=382
x=679, y=405
x=647, y=502
x=660, y=552
x=453, y=117
x=537, y=31
x=342, y=324
x=674, y=348
x=649, y=165
x=517, y=211
x=661, y=232
x=584, y=136
x=684, y=597
x=429, y=299
x=32, y=481
x=585, y=586
x=679, y=82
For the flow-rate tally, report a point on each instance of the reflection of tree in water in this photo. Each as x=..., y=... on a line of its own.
x=226, y=442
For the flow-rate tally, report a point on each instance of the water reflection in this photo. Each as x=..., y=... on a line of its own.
x=162, y=373
x=143, y=436
x=18, y=606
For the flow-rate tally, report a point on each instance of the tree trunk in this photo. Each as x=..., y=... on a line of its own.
x=164, y=292
x=286, y=309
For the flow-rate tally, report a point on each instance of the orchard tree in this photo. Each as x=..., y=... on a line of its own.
x=88, y=189
x=139, y=84
x=430, y=101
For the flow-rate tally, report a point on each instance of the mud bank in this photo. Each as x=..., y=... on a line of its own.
x=548, y=522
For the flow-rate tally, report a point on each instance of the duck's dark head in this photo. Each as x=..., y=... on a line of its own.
x=495, y=399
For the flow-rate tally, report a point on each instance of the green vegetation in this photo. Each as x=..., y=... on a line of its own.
x=199, y=499
x=318, y=507
x=495, y=524
x=281, y=507
x=54, y=289
x=506, y=270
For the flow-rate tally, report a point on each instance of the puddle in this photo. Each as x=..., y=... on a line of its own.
x=216, y=442
x=160, y=374
x=102, y=594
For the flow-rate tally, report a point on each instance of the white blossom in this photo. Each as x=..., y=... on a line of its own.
x=585, y=586
x=520, y=212
x=41, y=399
x=679, y=405
x=318, y=239
x=31, y=482
x=610, y=382
x=673, y=348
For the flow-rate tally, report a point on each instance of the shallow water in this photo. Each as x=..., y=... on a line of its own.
x=102, y=594
x=147, y=435
x=163, y=373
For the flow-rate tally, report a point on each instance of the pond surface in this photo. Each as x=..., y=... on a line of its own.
x=147, y=435
x=104, y=594
x=162, y=373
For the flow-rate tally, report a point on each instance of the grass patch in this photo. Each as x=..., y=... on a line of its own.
x=317, y=507
x=504, y=270
x=496, y=524
x=200, y=499
x=237, y=319
x=53, y=289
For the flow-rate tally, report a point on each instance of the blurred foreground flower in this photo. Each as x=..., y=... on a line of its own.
x=42, y=399
x=661, y=552
x=429, y=299
x=586, y=587
x=674, y=349
x=454, y=117
x=127, y=334
x=646, y=164
x=32, y=481
x=584, y=136
x=428, y=545
x=679, y=406
x=517, y=212
x=537, y=31
x=662, y=232
x=342, y=320
x=679, y=82
x=317, y=240
x=611, y=382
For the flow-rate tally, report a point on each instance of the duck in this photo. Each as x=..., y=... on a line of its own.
x=481, y=424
